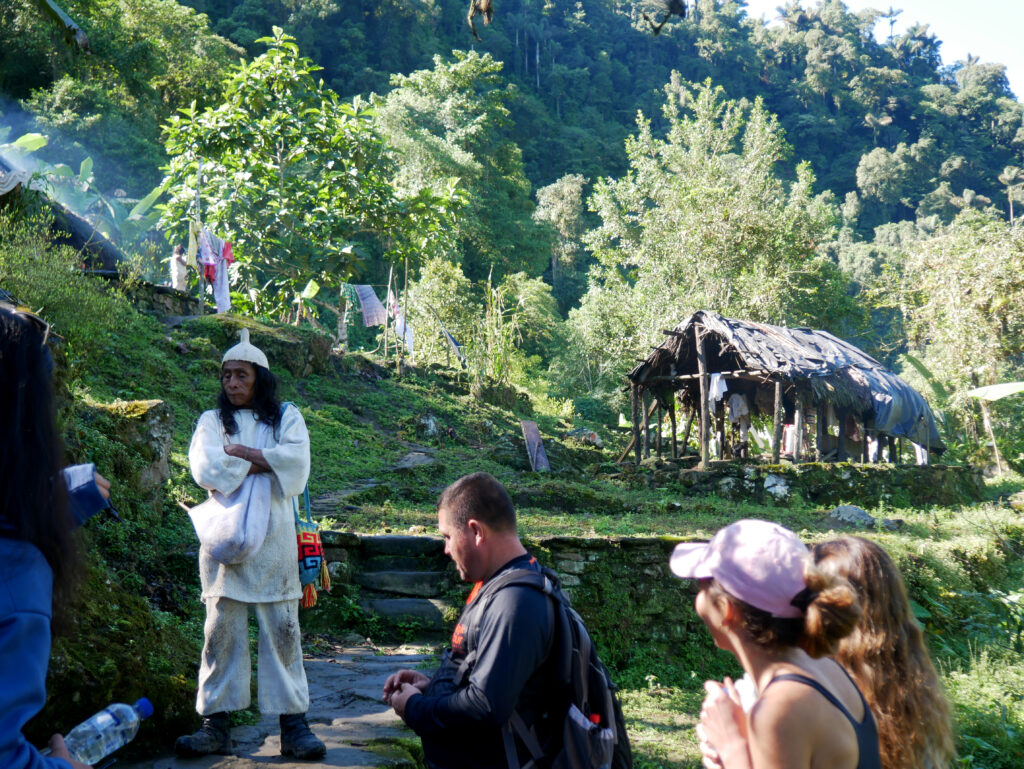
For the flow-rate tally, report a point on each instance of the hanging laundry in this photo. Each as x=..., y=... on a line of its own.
x=374, y=313
x=215, y=255
x=456, y=347
x=401, y=328
x=716, y=389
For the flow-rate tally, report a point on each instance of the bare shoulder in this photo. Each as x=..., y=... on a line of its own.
x=793, y=726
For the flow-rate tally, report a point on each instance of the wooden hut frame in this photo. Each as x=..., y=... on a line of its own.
x=800, y=372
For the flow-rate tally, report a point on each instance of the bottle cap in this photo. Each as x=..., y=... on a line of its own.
x=595, y=718
x=144, y=707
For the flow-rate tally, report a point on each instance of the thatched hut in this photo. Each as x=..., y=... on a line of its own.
x=795, y=375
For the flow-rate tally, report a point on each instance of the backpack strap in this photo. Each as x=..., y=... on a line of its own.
x=474, y=613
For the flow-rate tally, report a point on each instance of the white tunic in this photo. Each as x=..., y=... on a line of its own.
x=273, y=573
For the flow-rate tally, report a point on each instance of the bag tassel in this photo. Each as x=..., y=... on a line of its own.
x=308, y=596
x=323, y=580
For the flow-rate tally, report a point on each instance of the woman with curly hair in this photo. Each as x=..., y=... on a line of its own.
x=887, y=657
x=764, y=600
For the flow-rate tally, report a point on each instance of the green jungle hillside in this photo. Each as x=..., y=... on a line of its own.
x=131, y=381
x=553, y=196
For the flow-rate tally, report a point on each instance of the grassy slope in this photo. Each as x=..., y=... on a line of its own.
x=956, y=561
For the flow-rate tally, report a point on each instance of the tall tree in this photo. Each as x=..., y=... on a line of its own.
x=294, y=177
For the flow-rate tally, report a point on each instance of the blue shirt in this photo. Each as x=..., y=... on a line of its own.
x=26, y=596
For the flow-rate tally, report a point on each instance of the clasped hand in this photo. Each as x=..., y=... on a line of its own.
x=401, y=686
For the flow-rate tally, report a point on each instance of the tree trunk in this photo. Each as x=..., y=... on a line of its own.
x=986, y=418
x=342, y=321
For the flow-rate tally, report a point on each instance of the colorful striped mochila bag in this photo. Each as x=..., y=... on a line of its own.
x=312, y=564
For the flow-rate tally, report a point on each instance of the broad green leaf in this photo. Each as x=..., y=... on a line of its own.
x=997, y=391
x=30, y=142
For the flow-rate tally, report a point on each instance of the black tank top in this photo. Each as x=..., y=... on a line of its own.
x=868, y=756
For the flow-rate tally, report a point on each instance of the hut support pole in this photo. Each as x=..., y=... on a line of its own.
x=672, y=421
x=720, y=428
x=892, y=449
x=777, y=424
x=635, y=398
x=702, y=368
x=798, y=419
x=821, y=430
x=686, y=432
x=864, y=446
x=661, y=419
x=647, y=423
x=841, y=455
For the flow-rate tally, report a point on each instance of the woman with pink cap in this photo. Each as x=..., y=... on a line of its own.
x=764, y=601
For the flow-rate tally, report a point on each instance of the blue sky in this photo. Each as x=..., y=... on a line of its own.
x=990, y=29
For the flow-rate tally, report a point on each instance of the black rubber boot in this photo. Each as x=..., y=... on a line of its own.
x=214, y=736
x=297, y=740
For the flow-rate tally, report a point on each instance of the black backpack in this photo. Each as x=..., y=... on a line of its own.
x=594, y=730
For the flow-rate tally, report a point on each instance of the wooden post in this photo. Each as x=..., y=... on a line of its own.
x=635, y=397
x=672, y=421
x=798, y=424
x=986, y=420
x=720, y=428
x=702, y=368
x=661, y=417
x=387, y=312
x=686, y=432
x=647, y=423
x=892, y=450
x=821, y=429
x=777, y=424
x=841, y=455
x=864, y=437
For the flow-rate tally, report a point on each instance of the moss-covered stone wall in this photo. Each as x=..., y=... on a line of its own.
x=822, y=483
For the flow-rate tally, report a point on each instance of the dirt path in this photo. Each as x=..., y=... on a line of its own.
x=345, y=711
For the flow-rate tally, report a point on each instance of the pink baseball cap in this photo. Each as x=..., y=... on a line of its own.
x=759, y=562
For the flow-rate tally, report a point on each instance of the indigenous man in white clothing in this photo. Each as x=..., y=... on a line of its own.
x=249, y=433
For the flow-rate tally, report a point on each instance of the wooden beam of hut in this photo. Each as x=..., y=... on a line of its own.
x=753, y=373
x=777, y=424
x=647, y=424
x=635, y=395
x=798, y=420
x=633, y=443
x=702, y=367
x=672, y=420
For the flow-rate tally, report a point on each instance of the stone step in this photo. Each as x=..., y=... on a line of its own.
x=428, y=612
x=424, y=584
x=405, y=563
x=401, y=544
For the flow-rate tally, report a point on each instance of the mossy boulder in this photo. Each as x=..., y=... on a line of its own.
x=143, y=428
x=118, y=650
x=301, y=351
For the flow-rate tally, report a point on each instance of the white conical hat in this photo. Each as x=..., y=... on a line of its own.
x=246, y=351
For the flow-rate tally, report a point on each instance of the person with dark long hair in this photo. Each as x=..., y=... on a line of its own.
x=887, y=657
x=764, y=600
x=250, y=434
x=39, y=563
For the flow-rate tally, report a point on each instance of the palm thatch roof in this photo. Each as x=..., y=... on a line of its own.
x=813, y=365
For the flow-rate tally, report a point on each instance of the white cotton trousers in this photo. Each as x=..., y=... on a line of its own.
x=225, y=669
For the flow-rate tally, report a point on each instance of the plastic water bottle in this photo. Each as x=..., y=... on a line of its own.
x=91, y=741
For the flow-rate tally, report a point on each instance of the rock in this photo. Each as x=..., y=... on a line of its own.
x=144, y=426
x=777, y=486
x=1016, y=501
x=585, y=436
x=415, y=459
x=426, y=426
x=850, y=516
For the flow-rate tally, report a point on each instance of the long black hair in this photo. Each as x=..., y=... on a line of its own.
x=264, y=402
x=33, y=493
